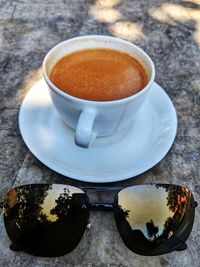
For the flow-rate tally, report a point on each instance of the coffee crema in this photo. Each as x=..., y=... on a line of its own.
x=99, y=74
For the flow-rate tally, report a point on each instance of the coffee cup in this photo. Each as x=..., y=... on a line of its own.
x=95, y=119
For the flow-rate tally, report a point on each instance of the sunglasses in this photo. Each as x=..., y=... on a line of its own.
x=50, y=219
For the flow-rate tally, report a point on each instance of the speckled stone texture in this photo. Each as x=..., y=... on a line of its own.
x=169, y=31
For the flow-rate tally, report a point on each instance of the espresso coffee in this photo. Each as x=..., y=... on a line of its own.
x=99, y=74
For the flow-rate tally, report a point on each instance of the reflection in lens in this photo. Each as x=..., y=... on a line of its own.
x=46, y=220
x=148, y=215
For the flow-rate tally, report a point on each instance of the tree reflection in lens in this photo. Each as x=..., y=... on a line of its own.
x=151, y=212
x=46, y=220
x=23, y=205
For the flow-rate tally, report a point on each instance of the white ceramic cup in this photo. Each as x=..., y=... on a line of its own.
x=91, y=119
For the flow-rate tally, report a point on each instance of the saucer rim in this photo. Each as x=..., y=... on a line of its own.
x=91, y=178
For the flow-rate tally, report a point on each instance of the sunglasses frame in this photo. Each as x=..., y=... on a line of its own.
x=171, y=244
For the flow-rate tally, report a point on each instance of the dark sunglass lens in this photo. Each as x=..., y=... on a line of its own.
x=46, y=220
x=154, y=219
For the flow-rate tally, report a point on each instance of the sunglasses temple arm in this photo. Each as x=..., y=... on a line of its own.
x=181, y=247
x=181, y=244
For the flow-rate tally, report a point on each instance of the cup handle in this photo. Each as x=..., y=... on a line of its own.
x=83, y=135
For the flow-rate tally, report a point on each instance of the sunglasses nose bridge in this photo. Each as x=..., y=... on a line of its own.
x=101, y=206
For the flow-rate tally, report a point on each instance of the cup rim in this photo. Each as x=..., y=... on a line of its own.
x=85, y=101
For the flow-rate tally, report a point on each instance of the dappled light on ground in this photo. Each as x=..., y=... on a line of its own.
x=29, y=81
x=106, y=15
x=104, y=11
x=107, y=12
x=127, y=30
x=108, y=3
x=175, y=13
x=193, y=1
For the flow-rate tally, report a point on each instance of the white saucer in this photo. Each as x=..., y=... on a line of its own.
x=109, y=159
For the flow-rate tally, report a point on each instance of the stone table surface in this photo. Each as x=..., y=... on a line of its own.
x=169, y=31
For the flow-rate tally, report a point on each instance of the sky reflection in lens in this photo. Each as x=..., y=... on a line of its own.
x=153, y=208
